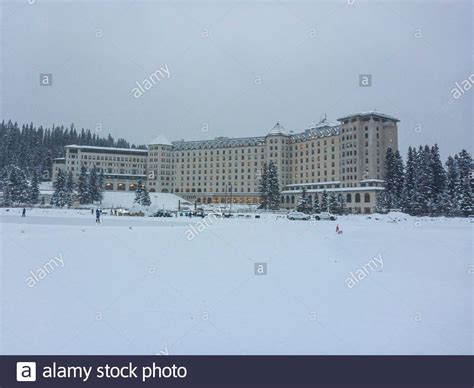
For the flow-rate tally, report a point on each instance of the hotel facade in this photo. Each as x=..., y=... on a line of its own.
x=345, y=158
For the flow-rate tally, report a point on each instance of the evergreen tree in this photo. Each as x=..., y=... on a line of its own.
x=452, y=187
x=94, y=188
x=70, y=189
x=303, y=203
x=16, y=190
x=83, y=190
x=100, y=186
x=389, y=178
x=464, y=191
x=6, y=185
x=423, y=196
x=60, y=195
x=409, y=183
x=430, y=189
x=145, y=197
x=263, y=187
x=399, y=177
x=394, y=179
x=139, y=193
x=439, y=182
x=7, y=196
x=380, y=203
x=439, y=174
x=341, y=204
x=316, y=207
x=273, y=187
x=324, y=202
x=333, y=203
x=34, y=188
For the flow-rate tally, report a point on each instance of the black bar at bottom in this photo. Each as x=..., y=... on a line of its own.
x=238, y=371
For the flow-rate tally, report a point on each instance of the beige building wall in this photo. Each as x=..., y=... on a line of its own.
x=161, y=168
x=315, y=159
x=365, y=139
x=121, y=167
x=209, y=171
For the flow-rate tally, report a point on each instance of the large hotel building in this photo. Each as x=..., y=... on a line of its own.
x=345, y=158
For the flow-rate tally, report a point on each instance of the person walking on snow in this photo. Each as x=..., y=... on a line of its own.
x=97, y=216
x=338, y=230
x=23, y=213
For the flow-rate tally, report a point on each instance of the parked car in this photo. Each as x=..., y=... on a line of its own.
x=298, y=216
x=325, y=216
x=162, y=213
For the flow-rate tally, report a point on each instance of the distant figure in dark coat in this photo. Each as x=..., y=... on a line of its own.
x=23, y=213
x=97, y=216
x=92, y=211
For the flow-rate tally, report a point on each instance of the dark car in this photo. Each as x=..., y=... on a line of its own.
x=162, y=213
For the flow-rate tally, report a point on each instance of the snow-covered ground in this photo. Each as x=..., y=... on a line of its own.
x=387, y=285
x=159, y=201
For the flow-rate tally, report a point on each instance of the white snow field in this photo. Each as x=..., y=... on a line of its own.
x=136, y=285
x=159, y=201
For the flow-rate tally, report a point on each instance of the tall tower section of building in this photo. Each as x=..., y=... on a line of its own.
x=364, y=140
x=277, y=150
x=160, y=166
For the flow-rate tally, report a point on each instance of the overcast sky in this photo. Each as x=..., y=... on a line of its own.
x=236, y=68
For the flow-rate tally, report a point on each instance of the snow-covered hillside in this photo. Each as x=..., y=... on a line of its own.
x=140, y=285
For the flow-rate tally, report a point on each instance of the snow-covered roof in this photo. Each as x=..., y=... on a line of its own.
x=105, y=149
x=339, y=189
x=278, y=129
x=322, y=129
x=324, y=123
x=218, y=142
x=160, y=140
x=371, y=180
x=369, y=113
x=315, y=183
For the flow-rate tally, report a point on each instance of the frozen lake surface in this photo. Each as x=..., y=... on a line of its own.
x=159, y=286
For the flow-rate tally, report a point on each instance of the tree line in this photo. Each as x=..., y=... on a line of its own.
x=330, y=202
x=19, y=190
x=424, y=186
x=32, y=149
